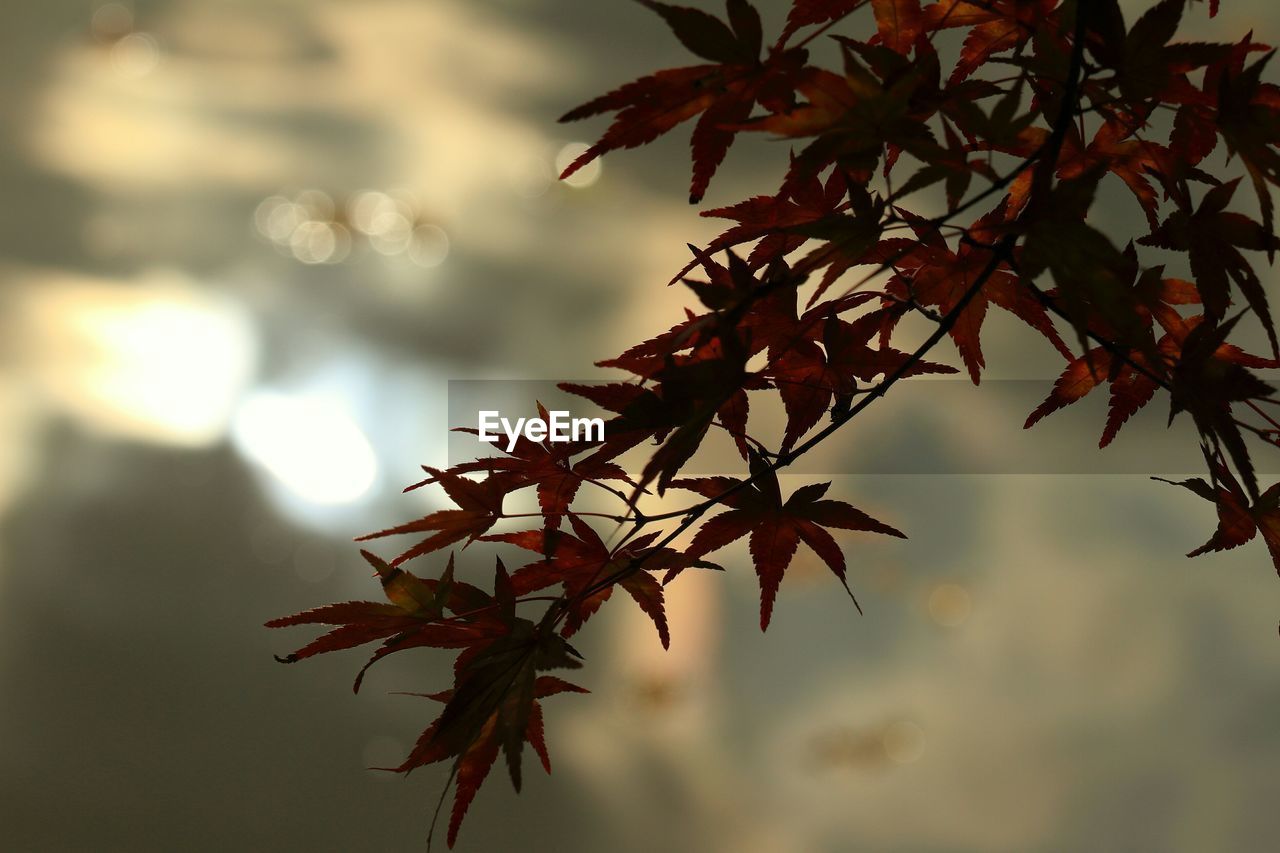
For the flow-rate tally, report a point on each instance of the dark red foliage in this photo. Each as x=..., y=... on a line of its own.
x=777, y=527
x=924, y=185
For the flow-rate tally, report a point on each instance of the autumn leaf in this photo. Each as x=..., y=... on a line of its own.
x=1239, y=521
x=1134, y=379
x=480, y=506
x=1091, y=274
x=995, y=27
x=883, y=156
x=413, y=616
x=1212, y=237
x=775, y=221
x=491, y=709
x=546, y=465
x=933, y=275
x=580, y=562
x=898, y=23
x=723, y=94
x=805, y=13
x=809, y=378
x=775, y=527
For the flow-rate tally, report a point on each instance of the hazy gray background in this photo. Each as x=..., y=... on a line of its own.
x=245, y=245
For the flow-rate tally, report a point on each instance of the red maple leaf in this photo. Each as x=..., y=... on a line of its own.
x=810, y=377
x=1239, y=521
x=545, y=464
x=1213, y=236
x=472, y=766
x=415, y=615
x=1135, y=378
x=773, y=220
x=805, y=13
x=932, y=275
x=899, y=23
x=996, y=27
x=580, y=563
x=723, y=94
x=480, y=506
x=776, y=527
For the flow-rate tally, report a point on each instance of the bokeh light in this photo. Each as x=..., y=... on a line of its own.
x=159, y=360
x=949, y=605
x=586, y=176
x=136, y=55
x=309, y=444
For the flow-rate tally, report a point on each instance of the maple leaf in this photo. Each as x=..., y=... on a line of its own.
x=414, y=615
x=847, y=240
x=1239, y=520
x=776, y=527
x=1212, y=237
x=692, y=390
x=480, y=506
x=1133, y=161
x=695, y=390
x=1248, y=117
x=810, y=377
x=1187, y=361
x=581, y=562
x=1205, y=385
x=723, y=94
x=805, y=13
x=483, y=753
x=1145, y=64
x=774, y=220
x=933, y=275
x=1091, y=274
x=899, y=23
x=996, y=27
x=544, y=464
x=491, y=706
x=858, y=116
x=1233, y=102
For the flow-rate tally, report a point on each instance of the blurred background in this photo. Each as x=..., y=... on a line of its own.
x=246, y=246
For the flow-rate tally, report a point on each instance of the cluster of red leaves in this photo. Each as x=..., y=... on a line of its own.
x=1040, y=103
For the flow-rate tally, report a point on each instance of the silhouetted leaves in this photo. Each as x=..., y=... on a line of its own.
x=776, y=527
x=810, y=292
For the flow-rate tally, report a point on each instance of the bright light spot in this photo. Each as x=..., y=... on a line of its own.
x=366, y=205
x=341, y=243
x=390, y=232
x=903, y=741
x=309, y=444
x=111, y=21
x=313, y=242
x=265, y=212
x=277, y=217
x=429, y=245
x=157, y=362
x=136, y=55
x=950, y=605
x=304, y=227
x=584, y=177
x=316, y=203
